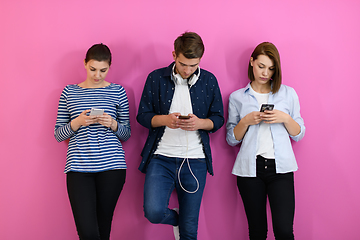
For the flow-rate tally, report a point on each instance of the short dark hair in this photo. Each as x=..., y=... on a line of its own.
x=99, y=52
x=190, y=45
x=268, y=49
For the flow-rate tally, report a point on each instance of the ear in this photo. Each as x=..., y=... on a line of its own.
x=252, y=61
x=84, y=63
x=174, y=55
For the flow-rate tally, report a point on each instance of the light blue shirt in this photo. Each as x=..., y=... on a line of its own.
x=241, y=103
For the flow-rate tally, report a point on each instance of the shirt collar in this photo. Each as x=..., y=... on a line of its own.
x=248, y=86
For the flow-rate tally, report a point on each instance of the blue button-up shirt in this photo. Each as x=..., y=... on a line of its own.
x=156, y=100
x=241, y=103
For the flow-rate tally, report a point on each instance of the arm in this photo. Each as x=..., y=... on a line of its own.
x=156, y=101
x=240, y=129
x=194, y=123
x=237, y=126
x=216, y=108
x=120, y=126
x=170, y=120
x=63, y=129
x=149, y=115
x=212, y=114
x=292, y=127
x=293, y=122
x=107, y=121
x=82, y=120
x=146, y=109
x=277, y=116
x=295, y=115
x=123, y=131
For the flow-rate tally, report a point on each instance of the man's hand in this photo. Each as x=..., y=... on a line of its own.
x=171, y=120
x=194, y=123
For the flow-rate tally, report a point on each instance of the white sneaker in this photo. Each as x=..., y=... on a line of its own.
x=176, y=228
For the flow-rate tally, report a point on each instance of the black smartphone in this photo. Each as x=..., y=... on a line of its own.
x=184, y=117
x=266, y=107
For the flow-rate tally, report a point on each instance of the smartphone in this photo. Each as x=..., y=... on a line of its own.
x=184, y=117
x=96, y=112
x=266, y=107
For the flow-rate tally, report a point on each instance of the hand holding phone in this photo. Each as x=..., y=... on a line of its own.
x=96, y=112
x=264, y=107
x=184, y=117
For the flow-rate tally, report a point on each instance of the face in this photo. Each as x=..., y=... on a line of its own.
x=96, y=72
x=263, y=69
x=185, y=66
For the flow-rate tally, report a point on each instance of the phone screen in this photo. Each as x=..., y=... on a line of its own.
x=266, y=107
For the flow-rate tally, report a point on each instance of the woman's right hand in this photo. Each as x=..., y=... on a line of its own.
x=82, y=120
x=252, y=118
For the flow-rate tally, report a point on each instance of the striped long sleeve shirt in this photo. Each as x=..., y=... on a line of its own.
x=93, y=148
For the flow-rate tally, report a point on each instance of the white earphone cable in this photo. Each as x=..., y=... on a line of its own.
x=188, y=163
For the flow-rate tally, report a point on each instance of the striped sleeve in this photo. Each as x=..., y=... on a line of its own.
x=123, y=132
x=63, y=129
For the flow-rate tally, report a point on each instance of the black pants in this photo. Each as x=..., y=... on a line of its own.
x=280, y=190
x=93, y=197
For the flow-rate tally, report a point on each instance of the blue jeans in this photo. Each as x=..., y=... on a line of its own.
x=161, y=179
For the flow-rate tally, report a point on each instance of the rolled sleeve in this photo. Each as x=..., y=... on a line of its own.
x=124, y=130
x=64, y=132
x=233, y=120
x=63, y=129
x=295, y=114
x=216, y=109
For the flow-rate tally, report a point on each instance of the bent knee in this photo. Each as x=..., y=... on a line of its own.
x=154, y=215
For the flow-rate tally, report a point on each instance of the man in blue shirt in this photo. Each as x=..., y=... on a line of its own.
x=180, y=105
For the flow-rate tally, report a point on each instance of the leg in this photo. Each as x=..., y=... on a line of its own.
x=282, y=204
x=159, y=184
x=108, y=187
x=189, y=203
x=82, y=195
x=253, y=194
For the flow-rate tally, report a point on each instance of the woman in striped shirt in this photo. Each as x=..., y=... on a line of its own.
x=95, y=164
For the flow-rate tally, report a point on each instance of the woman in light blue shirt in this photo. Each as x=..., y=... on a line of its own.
x=266, y=161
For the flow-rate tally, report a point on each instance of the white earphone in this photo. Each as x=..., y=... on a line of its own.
x=191, y=81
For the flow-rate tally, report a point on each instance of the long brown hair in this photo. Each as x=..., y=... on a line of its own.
x=268, y=49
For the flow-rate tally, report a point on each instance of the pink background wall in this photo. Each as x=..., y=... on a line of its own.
x=43, y=44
